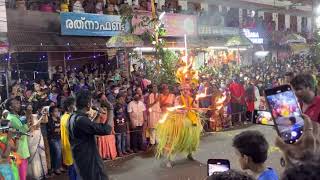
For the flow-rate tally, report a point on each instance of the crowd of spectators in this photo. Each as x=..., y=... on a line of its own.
x=94, y=6
x=245, y=86
x=40, y=105
x=37, y=107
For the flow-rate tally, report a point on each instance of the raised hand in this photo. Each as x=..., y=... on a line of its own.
x=306, y=149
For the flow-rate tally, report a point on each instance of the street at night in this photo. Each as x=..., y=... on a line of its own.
x=159, y=89
x=214, y=145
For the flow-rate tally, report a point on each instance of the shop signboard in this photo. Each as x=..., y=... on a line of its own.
x=254, y=37
x=176, y=25
x=207, y=30
x=4, y=47
x=85, y=24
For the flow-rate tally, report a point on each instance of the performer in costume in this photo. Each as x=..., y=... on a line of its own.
x=218, y=101
x=179, y=129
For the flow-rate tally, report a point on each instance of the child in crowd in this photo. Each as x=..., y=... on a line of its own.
x=121, y=127
x=252, y=150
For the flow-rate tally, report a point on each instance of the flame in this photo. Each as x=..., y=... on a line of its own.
x=221, y=99
x=174, y=108
x=164, y=118
x=202, y=95
x=170, y=109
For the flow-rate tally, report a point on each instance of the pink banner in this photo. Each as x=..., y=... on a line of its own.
x=175, y=24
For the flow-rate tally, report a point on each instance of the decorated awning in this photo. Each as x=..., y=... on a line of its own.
x=292, y=38
x=238, y=41
x=299, y=48
x=125, y=40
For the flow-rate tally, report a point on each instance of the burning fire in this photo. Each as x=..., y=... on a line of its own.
x=220, y=101
x=202, y=95
x=174, y=108
x=170, y=109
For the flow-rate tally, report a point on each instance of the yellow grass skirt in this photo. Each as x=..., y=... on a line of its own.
x=178, y=134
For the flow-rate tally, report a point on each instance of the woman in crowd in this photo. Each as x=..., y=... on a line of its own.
x=37, y=161
x=55, y=139
x=107, y=143
x=44, y=133
x=166, y=98
x=154, y=113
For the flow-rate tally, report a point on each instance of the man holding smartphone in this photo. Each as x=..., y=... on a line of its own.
x=305, y=90
x=82, y=131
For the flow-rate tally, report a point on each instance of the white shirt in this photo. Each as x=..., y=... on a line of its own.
x=136, y=110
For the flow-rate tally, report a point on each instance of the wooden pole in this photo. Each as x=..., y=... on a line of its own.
x=153, y=9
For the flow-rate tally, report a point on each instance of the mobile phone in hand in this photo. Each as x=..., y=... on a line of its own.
x=217, y=166
x=286, y=113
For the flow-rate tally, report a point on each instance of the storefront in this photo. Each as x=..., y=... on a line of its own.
x=222, y=45
x=259, y=50
x=40, y=41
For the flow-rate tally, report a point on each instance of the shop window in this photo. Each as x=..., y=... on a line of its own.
x=232, y=18
x=293, y=23
x=281, y=22
x=194, y=8
x=304, y=24
x=213, y=9
x=170, y=6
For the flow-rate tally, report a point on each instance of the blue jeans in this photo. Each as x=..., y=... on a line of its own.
x=72, y=172
x=121, y=139
x=56, y=154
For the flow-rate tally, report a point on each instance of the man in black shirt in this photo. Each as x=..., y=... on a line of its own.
x=82, y=133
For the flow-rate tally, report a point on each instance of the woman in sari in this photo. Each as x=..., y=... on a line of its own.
x=106, y=144
x=37, y=168
x=166, y=98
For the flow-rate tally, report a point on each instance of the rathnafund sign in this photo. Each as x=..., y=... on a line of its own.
x=85, y=24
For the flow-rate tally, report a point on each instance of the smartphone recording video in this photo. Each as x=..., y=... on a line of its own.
x=263, y=118
x=217, y=165
x=286, y=112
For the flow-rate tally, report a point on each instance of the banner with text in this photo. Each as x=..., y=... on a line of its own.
x=207, y=30
x=176, y=25
x=85, y=24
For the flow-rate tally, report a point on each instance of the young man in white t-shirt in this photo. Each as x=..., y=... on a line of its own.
x=136, y=110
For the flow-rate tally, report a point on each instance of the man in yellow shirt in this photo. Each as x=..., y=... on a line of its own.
x=68, y=106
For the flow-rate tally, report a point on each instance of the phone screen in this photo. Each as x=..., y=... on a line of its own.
x=218, y=165
x=286, y=112
x=263, y=118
